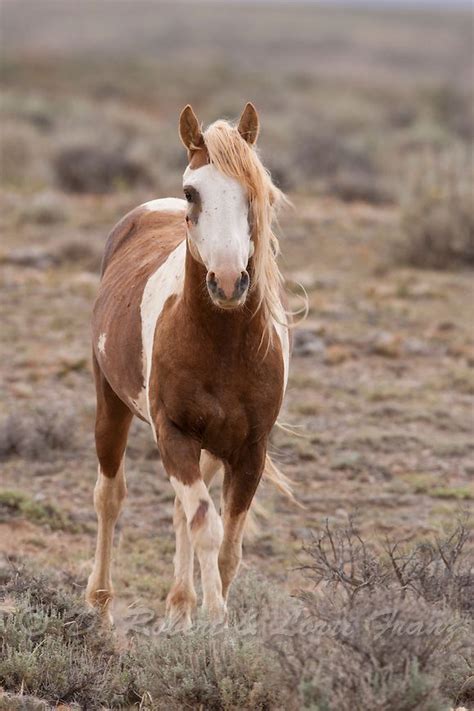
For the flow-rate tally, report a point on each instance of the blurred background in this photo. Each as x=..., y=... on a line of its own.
x=367, y=123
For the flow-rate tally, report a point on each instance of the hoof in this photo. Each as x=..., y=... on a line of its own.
x=180, y=606
x=176, y=621
x=100, y=600
x=215, y=616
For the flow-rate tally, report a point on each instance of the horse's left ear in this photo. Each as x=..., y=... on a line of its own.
x=249, y=124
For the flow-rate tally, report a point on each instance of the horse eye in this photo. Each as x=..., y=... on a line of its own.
x=188, y=195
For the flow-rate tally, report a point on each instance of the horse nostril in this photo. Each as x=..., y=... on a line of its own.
x=244, y=280
x=212, y=282
x=242, y=283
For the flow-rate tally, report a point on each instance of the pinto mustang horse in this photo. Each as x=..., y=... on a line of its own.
x=190, y=335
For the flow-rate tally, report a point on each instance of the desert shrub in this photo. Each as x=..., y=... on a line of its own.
x=93, y=169
x=52, y=646
x=374, y=630
x=383, y=631
x=208, y=670
x=15, y=154
x=219, y=669
x=324, y=152
x=453, y=108
x=40, y=434
x=44, y=208
x=354, y=186
x=437, y=217
x=78, y=253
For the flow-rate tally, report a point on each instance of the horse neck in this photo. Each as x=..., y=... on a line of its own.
x=198, y=306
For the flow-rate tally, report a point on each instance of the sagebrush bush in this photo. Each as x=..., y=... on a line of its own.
x=375, y=631
x=437, y=217
x=38, y=434
x=391, y=631
x=51, y=645
x=93, y=169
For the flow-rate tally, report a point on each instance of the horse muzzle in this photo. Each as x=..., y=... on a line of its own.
x=228, y=289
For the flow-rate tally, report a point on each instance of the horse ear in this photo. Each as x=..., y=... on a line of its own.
x=249, y=124
x=189, y=129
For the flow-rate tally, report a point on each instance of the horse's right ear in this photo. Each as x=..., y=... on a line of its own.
x=189, y=129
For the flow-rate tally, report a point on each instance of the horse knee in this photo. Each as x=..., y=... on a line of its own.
x=109, y=493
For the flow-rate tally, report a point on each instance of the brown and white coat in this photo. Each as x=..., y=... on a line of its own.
x=188, y=336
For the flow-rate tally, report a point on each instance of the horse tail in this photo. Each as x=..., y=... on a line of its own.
x=258, y=511
x=280, y=481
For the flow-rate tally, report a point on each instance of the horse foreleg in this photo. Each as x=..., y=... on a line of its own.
x=112, y=424
x=181, y=599
x=240, y=484
x=181, y=455
x=109, y=494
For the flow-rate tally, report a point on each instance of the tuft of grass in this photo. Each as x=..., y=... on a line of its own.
x=462, y=493
x=16, y=503
x=437, y=217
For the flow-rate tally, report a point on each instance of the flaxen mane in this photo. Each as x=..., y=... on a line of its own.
x=236, y=158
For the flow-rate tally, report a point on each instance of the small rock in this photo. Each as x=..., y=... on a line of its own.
x=337, y=354
x=386, y=344
x=415, y=346
x=307, y=343
x=346, y=460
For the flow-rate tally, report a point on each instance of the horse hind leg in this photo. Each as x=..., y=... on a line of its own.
x=113, y=420
x=181, y=600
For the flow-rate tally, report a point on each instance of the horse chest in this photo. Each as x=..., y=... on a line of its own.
x=224, y=401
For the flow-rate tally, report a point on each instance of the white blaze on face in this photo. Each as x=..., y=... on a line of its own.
x=221, y=235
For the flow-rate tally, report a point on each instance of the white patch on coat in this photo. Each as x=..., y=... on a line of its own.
x=283, y=335
x=101, y=343
x=166, y=281
x=222, y=234
x=169, y=204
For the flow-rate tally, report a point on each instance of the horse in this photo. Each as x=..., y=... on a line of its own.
x=191, y=334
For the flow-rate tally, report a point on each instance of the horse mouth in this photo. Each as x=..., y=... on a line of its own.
x=229, y=304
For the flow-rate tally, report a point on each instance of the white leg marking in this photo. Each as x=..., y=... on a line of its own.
x=205, y=531
x=181, y=599
x=109, y=494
